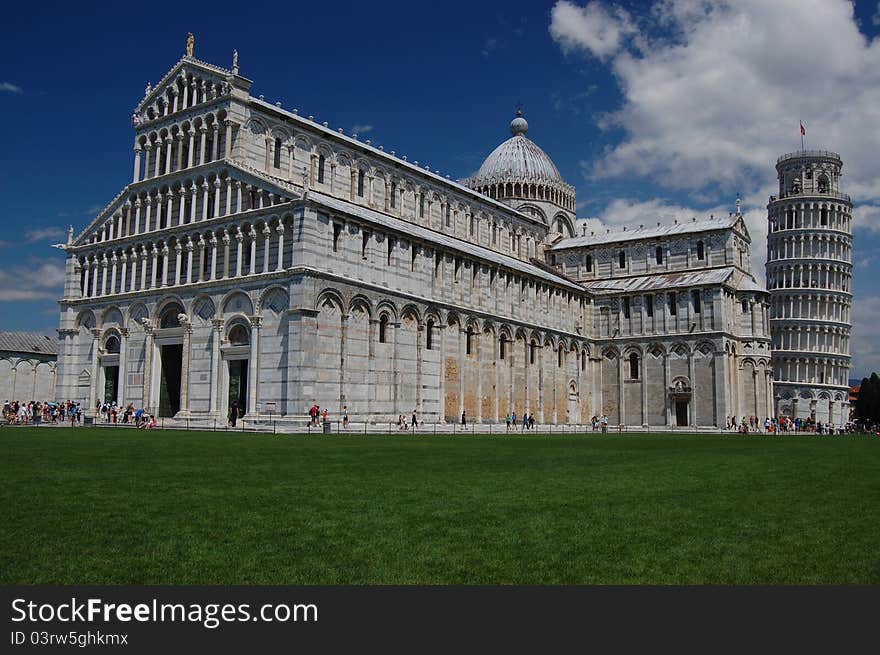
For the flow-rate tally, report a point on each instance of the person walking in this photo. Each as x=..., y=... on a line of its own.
x=507, y=421
x=463, y=419
x=414, y=421
x=232, y=415
x=345, y=417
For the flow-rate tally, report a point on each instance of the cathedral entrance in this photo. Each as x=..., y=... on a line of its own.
x=238, y=384
x=169, y=379
x=681, y=413
x=111, y=383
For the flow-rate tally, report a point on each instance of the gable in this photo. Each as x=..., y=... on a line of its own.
x=191, y=80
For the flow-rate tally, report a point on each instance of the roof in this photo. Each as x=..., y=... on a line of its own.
x=440, y=239
x=659, y=282
x=517, y=159
x=29, y=342
x=658, y=231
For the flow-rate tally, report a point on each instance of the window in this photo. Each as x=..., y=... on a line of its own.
x=649, y=306
x=365, y=241
x=390, y=250
x=589, y=263
x=361, y=184
x=383, y=326
x=337, y=230
x=626, y=307
x=238, y=336
x=421, y=205
x=429, y=335
x=277, y=161
x=823, y=216
x=502, y=347
x=673, y=304
x=658, y=254
x=412, y=263
x=112, y=345
x=469, y=338
x=321, y=161
x=472, y=228
x=559, y=354
x=246, y=256
x=584, y=361
x=695, y=297
x=393, y=195
x=633, y=366
x=532, y=348
x=621, y=258
x=448, y=217
x=494, y=234
x=701, y=250
x=745, y=305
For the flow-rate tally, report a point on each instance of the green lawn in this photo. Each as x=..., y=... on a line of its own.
x=108, y=506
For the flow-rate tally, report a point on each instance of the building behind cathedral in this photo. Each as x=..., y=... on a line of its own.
x=261, y=258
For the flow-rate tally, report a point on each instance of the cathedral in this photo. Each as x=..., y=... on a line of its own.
x=263, y=259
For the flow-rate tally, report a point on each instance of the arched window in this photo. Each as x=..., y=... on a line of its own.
x=168, y=318
x=277, y=160
x=584, y=360
x=633, y=366
x=701, y=250
x=823, y=183
x=393, y=199
x=673, y=304
x=429, y=335
x=621, y=258
x=469, y=341
x=532, y=348
x=321, y=161
x=448, y=216
x=589, y=263
x=238, y=335
x=473, y=224
x=626, y=307
x=502, y=347
x=360, y=183
x=421, y=205
x=112, y=344
x=695, y=297
x=823, y=216
x=383, y=325
x=658, y=254
x=649, y=305
x=559, y=355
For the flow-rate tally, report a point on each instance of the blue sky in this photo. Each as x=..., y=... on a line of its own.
x=652, y=112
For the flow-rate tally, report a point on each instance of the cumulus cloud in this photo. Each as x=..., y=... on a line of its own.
x=11, y=88
x=713, y=91
x=593, y=28
x=43, y=281
x=361, y=129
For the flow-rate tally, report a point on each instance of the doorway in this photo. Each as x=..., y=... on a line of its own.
x=681, y=413
x=238, y=384
x=169, y=380
x=111, y=384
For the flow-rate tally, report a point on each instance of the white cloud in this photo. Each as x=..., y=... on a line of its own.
x=592, y=28
x=12, y=88
x=713, y=91
x=44, y=234
x=40, y=282
x=361, y=129
x=866, y=217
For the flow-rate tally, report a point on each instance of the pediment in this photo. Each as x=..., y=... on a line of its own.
x=215, y=81
x=740, y=227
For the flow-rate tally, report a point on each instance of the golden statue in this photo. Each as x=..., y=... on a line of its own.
x=190, y=42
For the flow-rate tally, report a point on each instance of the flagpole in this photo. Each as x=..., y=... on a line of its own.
x=802, y=134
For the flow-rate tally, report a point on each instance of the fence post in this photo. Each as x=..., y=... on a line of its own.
x=273, y=427
x=435, y=428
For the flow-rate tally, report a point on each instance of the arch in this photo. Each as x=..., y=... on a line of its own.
x=137, y=312
x=112, y=342
x=86, y=319
x=168, y=317
x=238, y=334
x=203, y=309
x=410, y=310
x=237, y=302
x=387, y=307
x=112, y=316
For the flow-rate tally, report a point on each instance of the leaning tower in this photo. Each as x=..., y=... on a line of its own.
x=809, y=275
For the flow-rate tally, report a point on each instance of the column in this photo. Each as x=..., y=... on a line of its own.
x=216, y=333
x=239, y=242
x=181, y=212
x=137, y=216
x=667, y=382
x=203, y=131
x=158, y=157
x=148, y=149
x=228, y=144
x=184, y=368
x=193, y=202
x=142, y=255
x=267, y=233
x=165, y=251
x=154, y=268
x=254, y=364
x=205, y=197
x=441, y=327
x=216, y=196
x=252, y=235
x=226, y=241
x=178, y=251
x=148, y=218
x=137, y=163
x=215, y=141
x=123, y=357
x=189, y=261
x=237, y=196
x=280, y=230
x=113, y=261
x=190, y=153
x=644, y=363
x=168, y=153
x=228, y=197
x=213, y=272
x=201, y=244
x=178, y=137
x=93, y=387
x=104, y=274
x=169, y=207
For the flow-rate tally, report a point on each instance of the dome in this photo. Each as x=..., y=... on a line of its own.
x=517, y=159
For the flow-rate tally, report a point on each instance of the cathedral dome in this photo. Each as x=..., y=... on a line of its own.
x=517, y=160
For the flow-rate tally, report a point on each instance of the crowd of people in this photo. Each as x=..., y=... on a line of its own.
x=785, y=424
x=49, y=412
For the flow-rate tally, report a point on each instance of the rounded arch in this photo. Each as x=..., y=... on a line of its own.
x=169, y=315
x=111, y=341
x=164, y=302
x=410, y=310
x=86, y=319
x=274, y=299
x=204, y=309
x=562, y=224
x=112, y=316
x=237, y=302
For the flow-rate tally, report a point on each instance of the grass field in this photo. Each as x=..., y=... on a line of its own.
x=108, y=506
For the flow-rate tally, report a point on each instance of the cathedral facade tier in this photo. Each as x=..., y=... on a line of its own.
x=262, y=259
x=809, y=275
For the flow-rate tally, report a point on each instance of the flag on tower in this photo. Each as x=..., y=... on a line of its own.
x=803, y=129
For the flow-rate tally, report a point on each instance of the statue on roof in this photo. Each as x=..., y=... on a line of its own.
x=190, y=42
x=148, y=89
x=235, y=61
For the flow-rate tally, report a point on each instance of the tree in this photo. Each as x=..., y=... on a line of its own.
x=868, y=403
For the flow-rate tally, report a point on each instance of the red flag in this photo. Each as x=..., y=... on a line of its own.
x=803, y=129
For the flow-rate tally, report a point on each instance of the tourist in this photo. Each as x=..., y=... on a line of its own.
x=72, y=414
x=232, y=414
x=345, y=417
x=531, y=421
x=513, y=420
x=507, y=421
x=414, y=420
x=463, y=420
